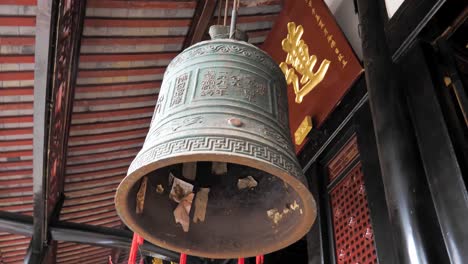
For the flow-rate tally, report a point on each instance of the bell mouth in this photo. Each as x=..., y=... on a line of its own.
x=244, y=222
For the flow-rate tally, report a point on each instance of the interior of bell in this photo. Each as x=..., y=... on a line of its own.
x=238, y=219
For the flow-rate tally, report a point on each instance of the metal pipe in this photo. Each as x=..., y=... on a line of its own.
x=16, y=224
x=81, y=233
x=226, y=3
x=220, y=3
x=106, y=237
x=232, y=29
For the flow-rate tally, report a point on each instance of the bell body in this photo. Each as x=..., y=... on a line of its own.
x=221, y=101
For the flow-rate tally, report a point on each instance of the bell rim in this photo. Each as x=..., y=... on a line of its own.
x=309, y=205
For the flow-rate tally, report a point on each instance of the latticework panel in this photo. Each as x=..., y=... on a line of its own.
x=341, y=161
x=353, y=235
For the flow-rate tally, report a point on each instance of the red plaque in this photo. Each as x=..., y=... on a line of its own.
x=317, y=60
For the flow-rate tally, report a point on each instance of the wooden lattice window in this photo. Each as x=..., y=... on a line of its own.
x=352, y=228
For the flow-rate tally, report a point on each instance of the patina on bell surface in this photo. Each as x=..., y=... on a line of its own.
x=221, y=100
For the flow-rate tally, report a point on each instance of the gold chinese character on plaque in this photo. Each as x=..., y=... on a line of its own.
x=303, y=130
x=301, y=63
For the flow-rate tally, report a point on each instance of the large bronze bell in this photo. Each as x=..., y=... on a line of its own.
x=223, y=102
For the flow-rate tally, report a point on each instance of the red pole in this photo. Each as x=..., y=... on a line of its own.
x=183, y=258
x=259, y=259
x=240, y=261
x=136, y=241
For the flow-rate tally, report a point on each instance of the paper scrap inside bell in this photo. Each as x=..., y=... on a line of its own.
x=159, y=189
x=201, y=202
x=294, y=206
x=180, y=189
x=189, y=170
x=247, y=182
x=182, y=212
x=219, y=168
x=140, y=199
x=276, y=215
x=171, y=179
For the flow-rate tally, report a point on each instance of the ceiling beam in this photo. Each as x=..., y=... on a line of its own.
x=43, y=53
x=201, y=21
x=58, y=36
x=64, y=71
x=84, y=234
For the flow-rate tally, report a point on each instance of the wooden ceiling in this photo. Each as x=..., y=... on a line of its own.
x=17, y=42
x=125, y=47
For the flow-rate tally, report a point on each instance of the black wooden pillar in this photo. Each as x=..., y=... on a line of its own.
x=378, y=209
x=443, y=172
x=413, y=220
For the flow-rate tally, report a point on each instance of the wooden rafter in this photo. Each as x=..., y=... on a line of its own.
x=201, y=21
x=55, y=73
